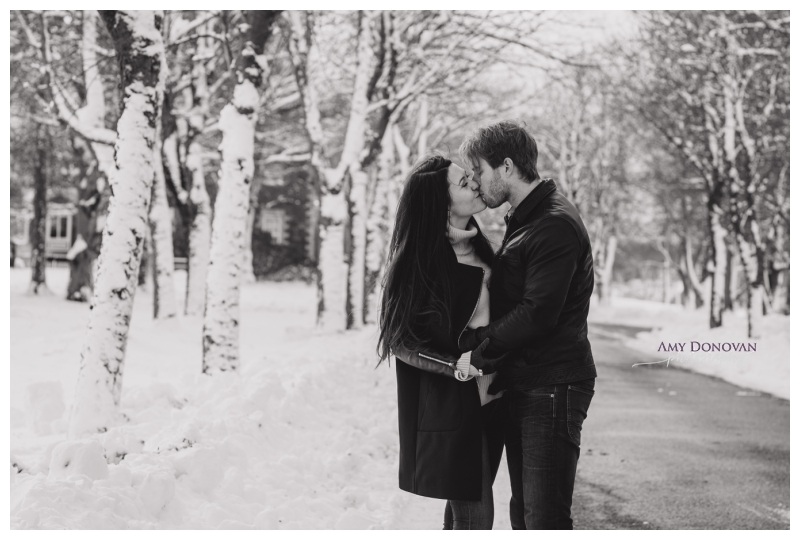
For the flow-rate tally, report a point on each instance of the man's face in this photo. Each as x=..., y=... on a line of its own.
x=493, y=189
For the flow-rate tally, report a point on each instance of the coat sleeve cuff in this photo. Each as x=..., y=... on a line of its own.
x=462, y=365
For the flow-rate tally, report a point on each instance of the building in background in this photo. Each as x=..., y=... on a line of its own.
x=59, y=228
x=283, y=240
x=284, y=244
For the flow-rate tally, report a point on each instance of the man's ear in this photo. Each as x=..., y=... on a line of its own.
x=508, y=167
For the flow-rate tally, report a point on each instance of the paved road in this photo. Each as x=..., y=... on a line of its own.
x=665, y=448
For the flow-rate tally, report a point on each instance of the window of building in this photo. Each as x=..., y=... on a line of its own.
x=274, y=222
x=58, y=226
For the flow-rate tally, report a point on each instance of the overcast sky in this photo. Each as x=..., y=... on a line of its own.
x=589, y=27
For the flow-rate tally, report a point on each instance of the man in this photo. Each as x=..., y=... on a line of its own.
x=542, y=280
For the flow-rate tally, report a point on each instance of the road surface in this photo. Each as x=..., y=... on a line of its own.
x=664, y=448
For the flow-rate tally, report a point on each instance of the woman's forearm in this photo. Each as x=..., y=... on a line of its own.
x=427, y=361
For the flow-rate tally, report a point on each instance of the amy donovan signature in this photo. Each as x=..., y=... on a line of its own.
x=704, y=346
x=695, y=357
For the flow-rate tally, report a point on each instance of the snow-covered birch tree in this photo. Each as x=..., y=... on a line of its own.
x=93, y=144
x=332, y=274
x=38, y=231
x=196, y=95
x=719, y=96
x=97, y=161
x=420, y=57
x=160, y=218
x=140, y=52
x=237, y=123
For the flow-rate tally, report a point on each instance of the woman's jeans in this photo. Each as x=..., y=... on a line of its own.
x=480, y=514
x=543, y=437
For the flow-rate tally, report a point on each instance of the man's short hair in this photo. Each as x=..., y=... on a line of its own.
x=506, y=139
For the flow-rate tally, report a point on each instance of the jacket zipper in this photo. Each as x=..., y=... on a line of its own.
x=436, y=360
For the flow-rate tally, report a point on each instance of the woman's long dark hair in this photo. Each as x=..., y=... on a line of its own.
x=421, y=262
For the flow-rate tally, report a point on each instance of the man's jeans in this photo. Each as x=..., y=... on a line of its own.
x=543, y=437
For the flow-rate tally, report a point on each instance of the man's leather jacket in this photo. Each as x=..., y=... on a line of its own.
x=542, y=281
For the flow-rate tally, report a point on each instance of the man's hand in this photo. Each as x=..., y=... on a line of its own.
x=476, y=357
x=469, y=340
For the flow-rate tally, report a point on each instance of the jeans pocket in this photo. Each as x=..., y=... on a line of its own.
x=578, y=401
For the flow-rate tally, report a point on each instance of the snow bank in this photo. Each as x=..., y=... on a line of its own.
x=44, y=405
x=304, y=437
x=765, y=370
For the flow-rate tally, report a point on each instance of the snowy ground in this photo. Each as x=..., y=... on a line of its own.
x=765, y=370
x=306, y=437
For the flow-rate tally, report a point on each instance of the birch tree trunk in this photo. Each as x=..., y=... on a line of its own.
x=146, y=261
x=332, y=270
x=396, y=187
x=687, y=295
x=140, y=51
x=694, y=287
x=357, y=260
x=312, y=237
x=716, y=300
x=753, y=271
x=221, y=323
x=248, y=272
x=694, y=282
x=200, y=227
x=38, y=285
x=170, y=152
x=730, y=281
x=98, y=160
x=237, y=123
x=199, y=233
x=604, y=289
x=780, y=271
x=377, y=228
x=94, y=147
x=422, y=127
x=160, y=218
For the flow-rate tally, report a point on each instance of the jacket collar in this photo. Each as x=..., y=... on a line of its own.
x=537, y=195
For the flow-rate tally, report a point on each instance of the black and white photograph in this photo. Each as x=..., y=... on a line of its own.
x=347, y=269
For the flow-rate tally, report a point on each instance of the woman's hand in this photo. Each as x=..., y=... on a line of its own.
x=474, y=372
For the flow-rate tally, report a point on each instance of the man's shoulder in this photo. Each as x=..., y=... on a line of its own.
x=560, y=209
x=556, y=213
x=549, y=230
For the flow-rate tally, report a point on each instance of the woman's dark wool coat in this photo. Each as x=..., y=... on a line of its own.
x=439, y=416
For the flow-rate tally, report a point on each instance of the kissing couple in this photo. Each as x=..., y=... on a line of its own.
x=492, y=344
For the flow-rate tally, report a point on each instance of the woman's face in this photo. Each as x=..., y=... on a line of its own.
x=465, y=199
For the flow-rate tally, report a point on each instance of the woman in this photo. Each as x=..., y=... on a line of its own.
x=439, y=263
